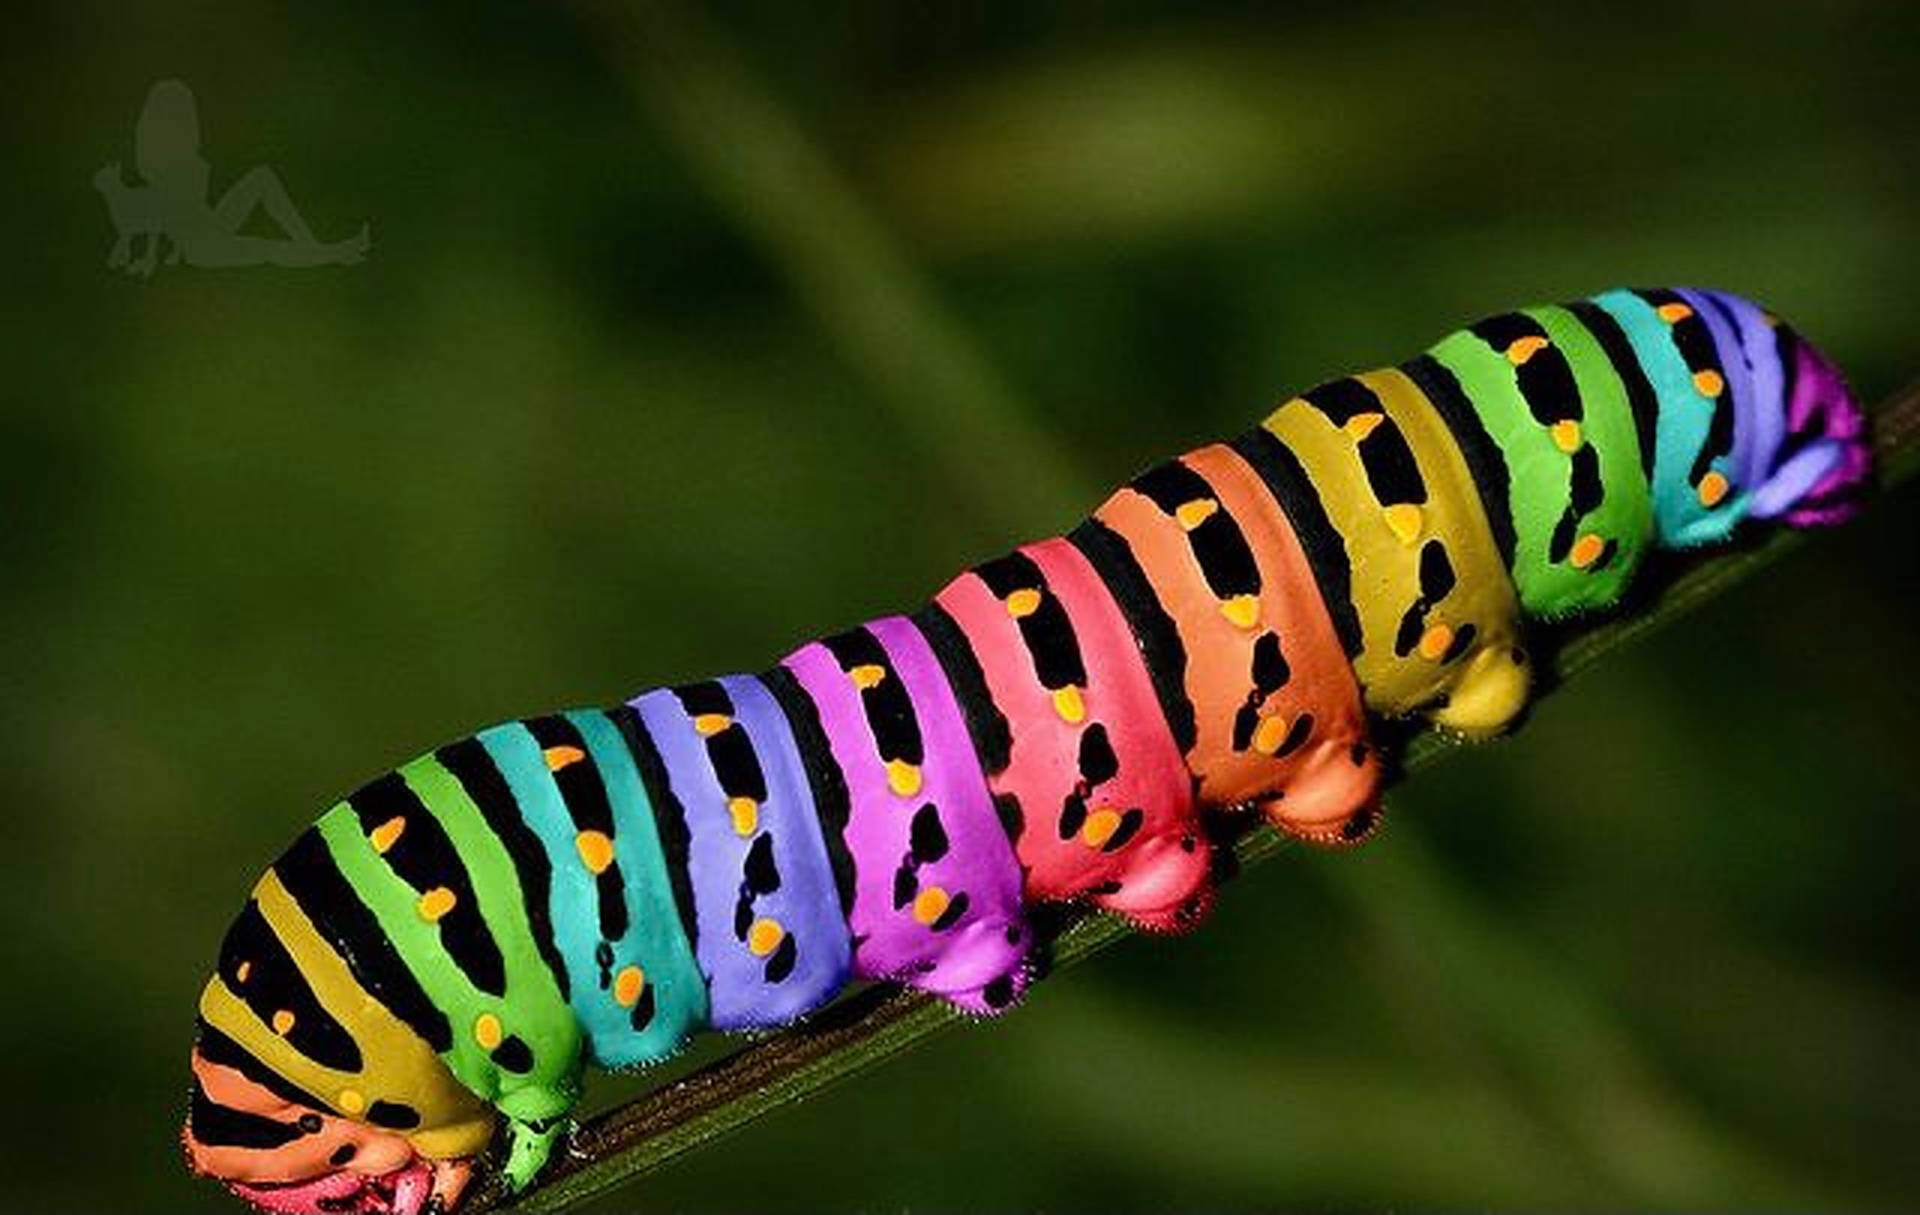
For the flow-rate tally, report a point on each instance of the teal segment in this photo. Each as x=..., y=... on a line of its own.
x=1680, y=519
x=672, y=1004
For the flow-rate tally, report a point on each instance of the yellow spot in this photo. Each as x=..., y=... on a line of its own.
x=487, y=1031
x=627, y=985
x=1023, y=602
x=350, y=1101
x=560, y=757
x=930, y=904
x=1673, y=314
x=1242, y=610
x=902, y=777
x=435, y=903
x=1069, y=704
x=1404, y=521
x=1193, y=514
x=1525, y=348
x=765, y=936
x=1435, y=642
x=595, y=849
x=1709, y=383
x=283, y=1023
x=387, y=834
x=1269, y=734
x=866, y=675
x=745, y=813
x=1099, y=828
x=245, y=969
x=1566, y=435
x=1713, y=487
x=709, y=724
x=1360, y=425
x=1586, y=551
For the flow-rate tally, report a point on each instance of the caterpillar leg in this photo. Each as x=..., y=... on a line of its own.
x=529, y=1144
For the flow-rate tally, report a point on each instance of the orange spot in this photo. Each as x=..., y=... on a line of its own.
x=1586, y=551
x=560, y=757
x=435, y=903
x=902, y=777
x=1673, y=314
x=930, y=904
x=866, y=675
x=1067, y=702
x=745, y=813
x=1099, y=828
x=283, y=1023
x=1525, y=348
x=1193, y=514
x=627, y=985
x=1242, y=610
x=765, y=936
x=1404, y=521
x=1566, y=436
x=487, y=1031
x=387, y=834
x=1709, y=383
x=1023, y=602
x=595, y=849
x=1269, y=734
x=1713, y=487
x=245, y=969
x=350, y=1101
x=1435, y=642
x=1360, y=425
x=709, y=724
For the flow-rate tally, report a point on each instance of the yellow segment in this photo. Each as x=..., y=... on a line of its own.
x=283, y=1022
x=435, y=903
x=1713, y=487
x=1069, y=704
x=559, y=757
x=930, y=904
x=1023, y=602
x=1242, y=610
x=1566, y=435
x=765, y=936
x=1269, y=734
x=1099, y=828
x=866, y=675
x=595, y=849
x=1192, y=514
x=387, y=834
x=1404, y=520
x=487, y=1031
x=1673, y=314
x=351, y=1101
x=1709, y=383
x=1434, y=642
x=1360, y=425
x=242, y=971
x=1586, y=550
x=902, y=777
x=627, y=985
x=745, y=813
x=709, y=724
x=1525, y=348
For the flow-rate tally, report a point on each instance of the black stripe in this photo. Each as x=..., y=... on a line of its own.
x=1046, y=631
x=1484, y=461
x=1218, y=544
x=669, y=816
x=217, y=1125
x=275, y=983
x=1641, y=398
x=831, y=803
x=217, y=1047
x=469, y=763
x=986, y=724
x=887, y=704
x=311, y=876
x=1153, y=629
x=1343, y=400
x=1392, y=472
x=585, y=796
x=1326, y=550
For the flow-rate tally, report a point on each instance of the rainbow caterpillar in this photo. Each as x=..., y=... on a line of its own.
x=445, y=949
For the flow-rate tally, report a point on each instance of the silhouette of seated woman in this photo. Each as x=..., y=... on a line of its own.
x=171, y=206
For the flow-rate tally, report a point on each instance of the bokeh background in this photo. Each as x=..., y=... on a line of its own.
x=688, y=334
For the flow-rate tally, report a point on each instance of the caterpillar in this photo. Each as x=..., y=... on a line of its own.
x=430, y=967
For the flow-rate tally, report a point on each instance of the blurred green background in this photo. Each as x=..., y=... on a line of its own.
x=684, y=338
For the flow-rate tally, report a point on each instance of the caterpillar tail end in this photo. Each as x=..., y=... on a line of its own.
x=1825, y=466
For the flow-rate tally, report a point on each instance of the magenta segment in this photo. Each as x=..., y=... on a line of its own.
x=937, y=890
x=1825, y=415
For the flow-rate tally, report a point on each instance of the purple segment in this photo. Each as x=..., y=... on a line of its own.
x=937, y=901
x=770, y=936
x=1759, y=420
x=1821, y=407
